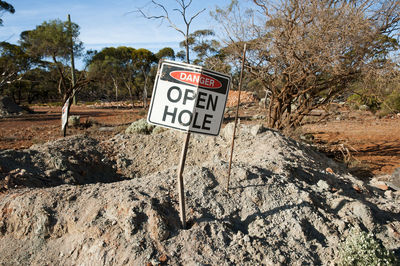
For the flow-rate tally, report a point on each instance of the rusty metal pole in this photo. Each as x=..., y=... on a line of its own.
x=236, y=116
x=181, y=188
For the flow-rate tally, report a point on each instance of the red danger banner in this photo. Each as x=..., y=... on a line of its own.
x=198, y=79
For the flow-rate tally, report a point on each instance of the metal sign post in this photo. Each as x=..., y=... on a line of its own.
x=191, y=99
x=236, y=116
x=181, y=189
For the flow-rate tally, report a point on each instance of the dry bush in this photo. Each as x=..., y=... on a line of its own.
x=307, y=52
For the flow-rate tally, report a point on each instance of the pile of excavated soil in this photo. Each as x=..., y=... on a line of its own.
x=76, y=160
x=287, y=204
x=246, y=97
x=8, y=107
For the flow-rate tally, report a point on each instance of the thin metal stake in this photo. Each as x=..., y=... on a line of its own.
x=181, y=189
x=236, y=116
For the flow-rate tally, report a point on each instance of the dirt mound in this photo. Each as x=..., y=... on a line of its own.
x=287, y=205
x=73, y=160
x=245, y=98
x=8, y=107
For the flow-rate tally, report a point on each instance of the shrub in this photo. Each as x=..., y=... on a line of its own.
x=392, y=102
x=74, y=120
x=358, y=100
x=361, y=248
x=141, y=127
x=158, y=130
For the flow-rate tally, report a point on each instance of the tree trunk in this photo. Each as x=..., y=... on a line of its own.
x=145, y=92
x=130, y=94
x=116, y=88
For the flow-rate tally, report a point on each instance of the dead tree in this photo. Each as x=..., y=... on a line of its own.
x=183, y=10
x=307, y=52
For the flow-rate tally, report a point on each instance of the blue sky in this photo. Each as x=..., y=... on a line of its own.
x=106, y=23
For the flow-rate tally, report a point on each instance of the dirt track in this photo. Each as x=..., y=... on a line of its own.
x=372, y=144
x=45, y=124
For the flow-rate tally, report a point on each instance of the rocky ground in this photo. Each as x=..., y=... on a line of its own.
x=114, y=202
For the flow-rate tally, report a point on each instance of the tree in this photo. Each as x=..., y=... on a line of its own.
x=14, y=61
x=143, y=60
x=183, y=11
x=199, y=43
x=379, y=89
x=166, y=52
x=5, y=7
x=41, y=84
x=307, y=52
x=115, y=64
x=208, y=51
x=52, y=39
x=126, y=67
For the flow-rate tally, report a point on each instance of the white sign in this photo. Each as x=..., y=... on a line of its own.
x=64, y=118
x=188, y=98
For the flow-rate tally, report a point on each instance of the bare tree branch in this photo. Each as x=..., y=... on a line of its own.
x=183, y=6
x=306, y=52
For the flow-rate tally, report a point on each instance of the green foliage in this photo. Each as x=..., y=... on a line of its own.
x=357, y=100
x=13, y=61
x=125, y=70
x=140, y=127
x=392, y=102
x=361, y=248
x=379, y=89
x=166, y=52
x=255, y=86
x=201, y=43
x=4, y=6
x=143, y=59
x=158, y=130
x=52, y=39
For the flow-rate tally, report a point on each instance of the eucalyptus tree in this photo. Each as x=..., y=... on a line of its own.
x=14, y=62
x=57, y=40
x=113, y=66
x=166, y=52
x=52, y=40
x=208, y=51
x=143, y=59
x=5, y=7
x=126, y=67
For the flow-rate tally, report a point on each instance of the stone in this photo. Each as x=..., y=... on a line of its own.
x=257, y=129
x=389, y=194
x=323, y=185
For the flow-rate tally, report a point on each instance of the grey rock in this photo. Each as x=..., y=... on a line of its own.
x=257, y=129
x=323, y=185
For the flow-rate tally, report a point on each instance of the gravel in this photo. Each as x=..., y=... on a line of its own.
x=287, y=203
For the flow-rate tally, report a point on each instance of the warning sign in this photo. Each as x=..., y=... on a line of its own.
x=64, y=114
x=188, y=98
